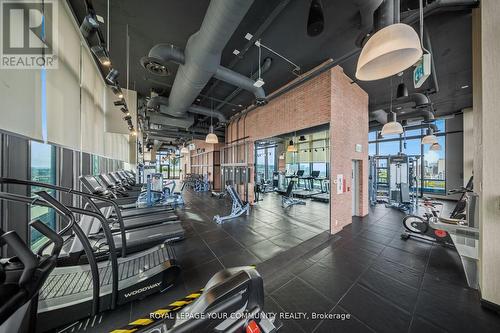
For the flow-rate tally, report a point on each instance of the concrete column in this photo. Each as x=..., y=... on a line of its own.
x=468, y=144
x=486, y=87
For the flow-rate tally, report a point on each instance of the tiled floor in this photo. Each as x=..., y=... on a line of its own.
x=384, y=283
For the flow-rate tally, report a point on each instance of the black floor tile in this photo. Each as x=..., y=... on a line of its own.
x=374, y=311
x=248, y=237
x=332, y=284
x=285, y=240
x=265, y=249
x=411, y=245
x=196, y=278
x=445, y=264
x=405, y=258
x=390, y=289
x=419, y=325
x=296, y=296
x=214, y=235
x=456, y=316
x=225, y=246
x=240, y=257
x=277, y=280
x=403, y=274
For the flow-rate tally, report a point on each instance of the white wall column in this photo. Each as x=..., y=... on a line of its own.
x=486, y=88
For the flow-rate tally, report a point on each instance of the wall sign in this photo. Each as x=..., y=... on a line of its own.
x=358, y=148
x=340, y=184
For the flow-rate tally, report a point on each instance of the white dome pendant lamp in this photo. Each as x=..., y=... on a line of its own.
x=211, y=136
x=392, y=127
x=430, y=138
x=389, y=51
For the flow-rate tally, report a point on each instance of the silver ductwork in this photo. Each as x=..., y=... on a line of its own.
x=202, y=55
x=160, y=104
x=243, y=82
x=164, y=120
x=208, y=112
x=266, y=65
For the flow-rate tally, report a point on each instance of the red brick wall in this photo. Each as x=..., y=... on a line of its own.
x=348, y=127
x=328, y=98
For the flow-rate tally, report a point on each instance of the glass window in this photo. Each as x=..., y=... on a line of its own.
x=412, y=147
x=271, y=158
x=372, y=149
x=291, y=168
x=321, y=167
x=43, y=170
x=306, y=167
x=434, y=168
x=260, y=165
x=372, y=136
x=96, y=167
x=388, y=148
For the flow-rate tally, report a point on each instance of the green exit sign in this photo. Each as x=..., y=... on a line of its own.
x=422, y=71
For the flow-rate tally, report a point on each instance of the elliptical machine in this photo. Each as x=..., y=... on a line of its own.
x=22, y=277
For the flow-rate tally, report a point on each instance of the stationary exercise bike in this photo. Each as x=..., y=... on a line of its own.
x=420, y=227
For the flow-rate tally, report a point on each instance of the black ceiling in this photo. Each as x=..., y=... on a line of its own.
x=284, y=29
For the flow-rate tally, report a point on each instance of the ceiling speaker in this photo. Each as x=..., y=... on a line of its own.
x=316, y=20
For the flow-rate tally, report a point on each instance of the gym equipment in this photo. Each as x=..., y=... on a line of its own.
x=231, y=301
x=238, y=208
x=372, y=180
x=197, y=183
x=22, y=277
x=324, y=196
x=235, y=167
x=74, y=292
x=461, y=234
x=280, y=181
x=395, y=178
x=287, y=199
x=308, y=190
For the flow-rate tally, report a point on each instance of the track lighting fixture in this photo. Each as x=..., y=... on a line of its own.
x=101, y=54
x=184, y=150
x=89, y=26
x=302, y=138
x=117, y=91
x=112, y=76
x=127, y=118
x=124, y=110
x=121, y=102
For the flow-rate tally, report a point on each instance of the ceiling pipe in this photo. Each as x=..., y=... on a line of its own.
x=418, y=101
x=203, y=53
x=266, y=65
x=243, y=82
x=439, y=6
x=386, y=15
x=367, y=11
x=197, y=109
x=155, y=118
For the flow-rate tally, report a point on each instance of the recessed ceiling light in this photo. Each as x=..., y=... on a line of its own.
x=248, y=36
x=236, y=52
x=464, y=87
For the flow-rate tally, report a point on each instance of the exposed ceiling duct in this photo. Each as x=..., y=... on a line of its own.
x=199, y=62
x=266, y=65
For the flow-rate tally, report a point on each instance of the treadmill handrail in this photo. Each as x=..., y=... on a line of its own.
x=68, y=190
x=87, y=248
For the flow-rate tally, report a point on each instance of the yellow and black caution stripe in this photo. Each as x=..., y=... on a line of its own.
x=158, y=315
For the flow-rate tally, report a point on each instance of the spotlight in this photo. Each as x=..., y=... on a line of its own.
x=101, y=54
x=112, y=76
x=121, y=102
x=302, y=138
x=133, y=132
x=124, y=110
x=127, y=118
x=117, y=91
x=89, y=26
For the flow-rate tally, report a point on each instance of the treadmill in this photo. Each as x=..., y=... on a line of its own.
x=118, y=187
x=75, y=292
x=94, y=187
